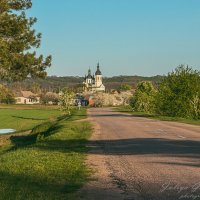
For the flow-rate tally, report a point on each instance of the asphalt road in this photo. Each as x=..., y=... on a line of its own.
x=140, y=158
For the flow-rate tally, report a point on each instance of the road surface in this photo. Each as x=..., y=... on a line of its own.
x=139, y=158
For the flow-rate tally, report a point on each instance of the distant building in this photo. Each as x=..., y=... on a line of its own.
x=94, y=83
x=27, y=97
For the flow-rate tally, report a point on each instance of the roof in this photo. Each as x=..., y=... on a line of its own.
x=89, y=76
x=25, y=94
x=98, y=72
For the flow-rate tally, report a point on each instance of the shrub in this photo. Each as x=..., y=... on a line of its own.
x=50, y=98
x=144, y=98
x=179, y=94
x=125, y=87
x=66, y=100
x=6, y=96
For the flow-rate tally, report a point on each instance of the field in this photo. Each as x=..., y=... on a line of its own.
x=49, y=163
x=128, y=109
x=25, y=117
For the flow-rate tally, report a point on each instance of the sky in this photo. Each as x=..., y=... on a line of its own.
x=127, y=37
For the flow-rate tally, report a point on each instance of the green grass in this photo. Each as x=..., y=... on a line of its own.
x=128, y=109
x=25, y=117
x=49, y=163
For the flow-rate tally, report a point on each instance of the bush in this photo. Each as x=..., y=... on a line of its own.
x=6, y=96
x=125, y=87
x=49, y=98
x=144, y=98
x=179, y=94
x=66, y=100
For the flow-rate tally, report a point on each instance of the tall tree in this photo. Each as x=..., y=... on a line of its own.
x=6, y=95
x=66, y=100
x=125, y=87
x=19, y=42
x=179, y=93
x=144, y=97
x=36, y=88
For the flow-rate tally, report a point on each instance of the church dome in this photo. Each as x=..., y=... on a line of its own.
x=89, y=76
x=98, y=72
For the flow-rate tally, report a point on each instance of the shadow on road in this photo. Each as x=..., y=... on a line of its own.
x=113, y=113
x=148, y=146
x=144, y=146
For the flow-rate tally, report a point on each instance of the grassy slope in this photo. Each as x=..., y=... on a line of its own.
x=52, y=168
x=127, y=109
x=25, y=117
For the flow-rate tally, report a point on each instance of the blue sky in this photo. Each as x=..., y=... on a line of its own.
x=127, y=37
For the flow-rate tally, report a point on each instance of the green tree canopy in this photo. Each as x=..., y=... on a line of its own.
x=18, y=42
x=144, y=97
x=49, y=98
x=179, y=93
x=125, y=87
x=66, y=100
x=6, y=96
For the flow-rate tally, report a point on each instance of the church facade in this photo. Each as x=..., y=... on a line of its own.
x=94, y=83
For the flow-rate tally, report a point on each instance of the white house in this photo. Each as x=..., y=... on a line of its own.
x=94, y=83
x=27, y=97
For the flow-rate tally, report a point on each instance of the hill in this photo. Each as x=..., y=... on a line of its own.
x=54, y=83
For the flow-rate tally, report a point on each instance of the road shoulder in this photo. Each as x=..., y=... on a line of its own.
x=101, y=184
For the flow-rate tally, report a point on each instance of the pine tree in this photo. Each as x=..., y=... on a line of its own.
x=18, y=42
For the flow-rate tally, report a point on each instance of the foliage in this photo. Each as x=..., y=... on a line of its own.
x=125, y=97
x=111, y=99
x=125, y=87
x=55, y=84
x=179, y=93
x=35, y=88
x=99, y=99
x=128, y=109
x=78, y=88
x=66, y=100
x=116, y=81
x=49, y=98
x=144, y=98
x=18, y=39
x=6, y=96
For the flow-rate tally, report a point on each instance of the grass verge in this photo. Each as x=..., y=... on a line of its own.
x=22, y=118
x=49, y=163
x=128, y=109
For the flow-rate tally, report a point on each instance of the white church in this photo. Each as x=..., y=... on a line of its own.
x=94, y=83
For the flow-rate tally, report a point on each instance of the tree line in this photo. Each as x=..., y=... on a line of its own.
x=55, y=84
x=178, y=95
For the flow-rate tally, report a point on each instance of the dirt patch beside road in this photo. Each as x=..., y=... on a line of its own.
x=101, y=185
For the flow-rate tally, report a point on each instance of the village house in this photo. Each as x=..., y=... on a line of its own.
x=27, y=97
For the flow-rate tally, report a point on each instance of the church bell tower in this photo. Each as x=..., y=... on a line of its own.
x=98, y=77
